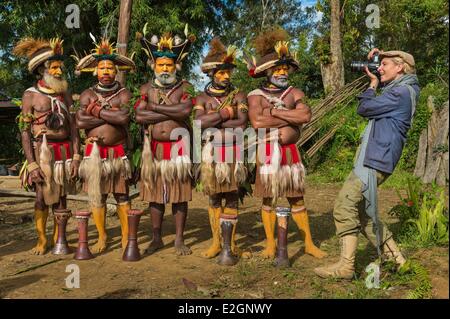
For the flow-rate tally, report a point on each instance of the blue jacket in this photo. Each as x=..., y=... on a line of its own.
x=392, y=114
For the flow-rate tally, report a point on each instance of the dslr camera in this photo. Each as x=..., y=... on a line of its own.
x=373, y=65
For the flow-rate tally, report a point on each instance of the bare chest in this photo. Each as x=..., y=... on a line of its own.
x=161, y=96
x=270, y=100
x=213, y=103
x=111, y=103
x=42, y=103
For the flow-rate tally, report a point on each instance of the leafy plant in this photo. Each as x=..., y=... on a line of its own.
x=422, y=281
x=432, y=222
x=409, y=208
x=422, y=215
x=413, y=275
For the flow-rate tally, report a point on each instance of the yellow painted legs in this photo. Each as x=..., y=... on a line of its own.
x=40, y=218
x=214, y=220
x=99, y=214
x=301, y=219
x=269, y=219
x=300, y=216
x=122, y=212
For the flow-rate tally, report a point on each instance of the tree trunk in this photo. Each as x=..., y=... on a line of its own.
x=122, y=36
x=333, y=73
x=421, y=155
x=432, y=159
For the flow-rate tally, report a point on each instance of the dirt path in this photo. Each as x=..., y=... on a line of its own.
x=160, y=275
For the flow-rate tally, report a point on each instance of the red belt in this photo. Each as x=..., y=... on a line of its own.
x=167, y=148
x=223, y=149
x=57, y=154
x=104, y=150
x=284, y=148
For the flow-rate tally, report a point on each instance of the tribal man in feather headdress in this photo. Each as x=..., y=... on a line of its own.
x=222, y=106
x=276, y=105
x=164, y=108
x=105, y=114
x=49, y=137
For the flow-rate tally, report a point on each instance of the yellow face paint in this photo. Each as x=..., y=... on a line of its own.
x=281, y=69
x=222, y=77
x=55, y=69
x=164, y=64
x=106, y=72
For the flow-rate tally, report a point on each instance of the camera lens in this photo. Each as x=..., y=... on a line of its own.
x=358, y=66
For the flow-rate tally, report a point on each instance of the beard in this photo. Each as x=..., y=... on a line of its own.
x=279, y=81
x=59, y=85
x=166, y=78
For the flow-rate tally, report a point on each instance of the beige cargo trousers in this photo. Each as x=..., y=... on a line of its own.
x=349, y=213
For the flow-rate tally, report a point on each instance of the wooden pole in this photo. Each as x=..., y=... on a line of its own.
x=123, y=32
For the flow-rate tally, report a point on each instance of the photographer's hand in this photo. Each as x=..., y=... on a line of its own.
x=372, y=52
x=373, y=79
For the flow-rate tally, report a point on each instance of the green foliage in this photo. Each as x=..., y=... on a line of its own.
x=432, y=222
x=420, y=28
x=412, y=277
x=242, y=80
x=136, y=158
x=335, y=160
x=409, y=208
x=423, y=216
x=322, y=49
x=308, y=77
x=249, y=18
x=245, y=19
x=417, y=27
x=24, y=121
x=46, y=19
x=246, y=273
x=412, y=274
x=422, y=283
x=10, y=137
x=135, y=132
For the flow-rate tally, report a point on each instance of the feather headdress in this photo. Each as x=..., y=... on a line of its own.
x=104, y=50
x=38, y=51
x=169, y=46
x=219, y=57
x=272, y=48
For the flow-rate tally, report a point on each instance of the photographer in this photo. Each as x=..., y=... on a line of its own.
x=390, y=116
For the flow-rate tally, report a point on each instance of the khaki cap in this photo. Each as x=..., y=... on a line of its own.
x=408, y=58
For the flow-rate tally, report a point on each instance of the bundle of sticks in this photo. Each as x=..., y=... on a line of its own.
x=335, y=102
